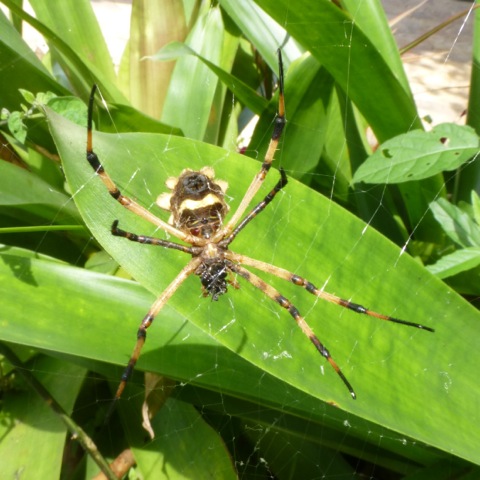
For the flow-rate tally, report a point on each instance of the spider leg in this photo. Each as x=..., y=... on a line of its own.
x=114, y=191
x=133, y=237
x=147, y=321
x=267, y=162
x=292, y=310
x=257, y=209
x=311, y=288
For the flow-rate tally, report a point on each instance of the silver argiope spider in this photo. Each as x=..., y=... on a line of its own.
x=198, y=208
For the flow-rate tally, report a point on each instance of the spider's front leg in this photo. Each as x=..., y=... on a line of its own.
x=115, y=192
x=257, y=209
x=257, y=182
x=133, y=237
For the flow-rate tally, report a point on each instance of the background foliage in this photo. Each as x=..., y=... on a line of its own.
x=251, y=396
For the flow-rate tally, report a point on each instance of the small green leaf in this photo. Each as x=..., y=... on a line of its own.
x=456, y=223
x=70, y=107
x=458, y=261
x=17, y=127
x=28, y=96
x=475, y=206
x=418, y=154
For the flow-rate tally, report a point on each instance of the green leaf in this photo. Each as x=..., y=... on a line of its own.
x=458, y=261
x=456, y=223
x=244, y=93
x=335, y=251
x=21, y=188
x=189, y=103
x=344, y=49
x=266, y=34
x=418, y=154
x=76, y=24
x=372, y=19
x=17, y=127
x=32, y=435
x=81, y=72
x=153, y=24
x=185, y=446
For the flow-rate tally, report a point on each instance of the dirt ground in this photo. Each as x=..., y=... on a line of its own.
x=439, y=68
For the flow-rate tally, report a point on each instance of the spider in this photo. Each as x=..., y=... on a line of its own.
x=197, y=211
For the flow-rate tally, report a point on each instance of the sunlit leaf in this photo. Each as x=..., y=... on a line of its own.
x=418, y=154
x=458, y=261
x=456, y=223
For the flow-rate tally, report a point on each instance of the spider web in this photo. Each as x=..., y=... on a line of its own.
x=439, y=72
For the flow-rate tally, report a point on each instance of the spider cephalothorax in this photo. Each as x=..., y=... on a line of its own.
x=196, y=202
x=197, y=210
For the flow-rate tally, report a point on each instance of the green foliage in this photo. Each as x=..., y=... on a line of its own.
x=251, y=393
x=418, y=154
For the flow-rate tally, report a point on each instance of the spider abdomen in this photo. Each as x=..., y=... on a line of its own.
x=196, y=202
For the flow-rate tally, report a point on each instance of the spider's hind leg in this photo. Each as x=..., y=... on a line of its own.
x=292, y=310
x=311, y=288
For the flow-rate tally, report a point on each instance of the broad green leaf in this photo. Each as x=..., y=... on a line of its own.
x=418, y=154
x=406, y=380
x=372, y=19
x=266, y=34
x=21, y=188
